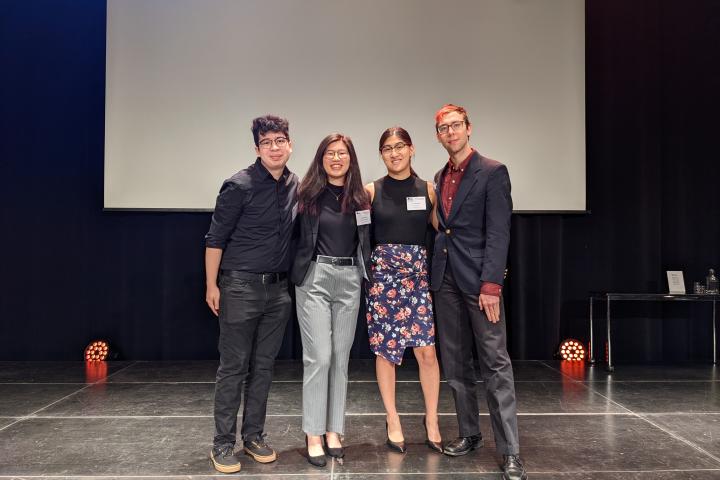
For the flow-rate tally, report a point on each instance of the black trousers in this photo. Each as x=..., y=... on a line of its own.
x=253, y=317
x=462, y=326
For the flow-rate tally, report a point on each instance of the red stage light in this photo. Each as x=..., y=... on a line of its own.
x=97, y=351
x=572, y=350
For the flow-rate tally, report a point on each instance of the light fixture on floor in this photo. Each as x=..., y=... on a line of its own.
x=97, y=351
x=572, y=350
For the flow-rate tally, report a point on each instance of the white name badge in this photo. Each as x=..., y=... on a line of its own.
x=362, y=217
x=416, y=203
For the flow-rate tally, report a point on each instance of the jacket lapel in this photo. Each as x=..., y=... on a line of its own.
x=314, y=223
x=438, y=199
x=466, y=184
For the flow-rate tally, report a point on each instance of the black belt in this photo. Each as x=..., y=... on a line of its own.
x=255, y=277
x=337, y=261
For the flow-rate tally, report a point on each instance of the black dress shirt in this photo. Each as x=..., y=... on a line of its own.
x=253, y=220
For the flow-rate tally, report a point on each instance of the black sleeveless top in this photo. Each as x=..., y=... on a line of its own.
x=392, y=222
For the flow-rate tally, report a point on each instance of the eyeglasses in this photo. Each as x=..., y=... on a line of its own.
x=268, y=143
x=444, y=128
x=340, y=154
x=388, y=149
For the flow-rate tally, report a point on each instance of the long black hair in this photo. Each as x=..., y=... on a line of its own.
x=403, y=135
x=313, y=184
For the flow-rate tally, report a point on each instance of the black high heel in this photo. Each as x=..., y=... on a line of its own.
x=333, y=452
x=436, y=446
x=317, y=461
x=397, y=446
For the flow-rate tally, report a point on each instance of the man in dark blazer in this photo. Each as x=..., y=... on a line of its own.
x=468, y=267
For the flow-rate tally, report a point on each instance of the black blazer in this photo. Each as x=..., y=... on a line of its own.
x=305, y=239
x=475, y=235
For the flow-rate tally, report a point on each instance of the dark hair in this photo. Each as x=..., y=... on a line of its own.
x=404, y=136
x=269, y=123
x=313, y=184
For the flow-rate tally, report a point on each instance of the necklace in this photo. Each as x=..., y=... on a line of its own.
x=337, y=197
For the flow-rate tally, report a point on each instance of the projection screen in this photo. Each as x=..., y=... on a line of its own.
x=186, y=77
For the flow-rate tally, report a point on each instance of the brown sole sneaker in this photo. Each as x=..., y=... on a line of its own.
x=261, y=458
x=233, y=468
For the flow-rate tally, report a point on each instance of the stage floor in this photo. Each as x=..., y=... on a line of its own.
x=154, y=419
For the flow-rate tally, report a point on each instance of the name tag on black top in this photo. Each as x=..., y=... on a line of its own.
x=362, y=217
x=416, y=203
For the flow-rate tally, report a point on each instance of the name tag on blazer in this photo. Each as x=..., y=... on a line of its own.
x=416, y=203
x=362, y=217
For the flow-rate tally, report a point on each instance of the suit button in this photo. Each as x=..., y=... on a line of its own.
x=447, y=232
x=444, y=250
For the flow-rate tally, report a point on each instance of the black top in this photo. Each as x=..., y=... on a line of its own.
x=306, y=233
x=337, y=232
x=391, y=219
x=253, y=220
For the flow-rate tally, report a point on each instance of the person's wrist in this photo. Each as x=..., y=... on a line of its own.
x=489, y=288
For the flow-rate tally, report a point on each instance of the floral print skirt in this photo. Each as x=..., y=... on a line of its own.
x=399, y=305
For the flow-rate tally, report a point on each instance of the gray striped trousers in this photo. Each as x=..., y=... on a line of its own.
x=327, y=305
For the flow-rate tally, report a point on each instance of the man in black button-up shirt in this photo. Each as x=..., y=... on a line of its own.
x=248, y=249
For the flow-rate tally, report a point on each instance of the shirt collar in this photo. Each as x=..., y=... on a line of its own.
x=451, y=166
x=265, y=173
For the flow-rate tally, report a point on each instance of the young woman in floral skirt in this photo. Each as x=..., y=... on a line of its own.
x=399, y=305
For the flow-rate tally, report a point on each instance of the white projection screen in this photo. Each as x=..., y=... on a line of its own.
x=186, y=77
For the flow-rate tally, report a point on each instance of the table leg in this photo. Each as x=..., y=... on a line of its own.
x=610, y=367
x=714, y=336
x=592, y=340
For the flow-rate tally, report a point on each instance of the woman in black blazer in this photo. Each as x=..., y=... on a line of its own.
x=331, y=261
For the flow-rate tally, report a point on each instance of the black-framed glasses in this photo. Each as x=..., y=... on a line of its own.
x=444, y=128
x=388, y=149
x=268, y=143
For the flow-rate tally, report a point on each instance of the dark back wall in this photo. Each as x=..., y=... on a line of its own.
x=71, y=272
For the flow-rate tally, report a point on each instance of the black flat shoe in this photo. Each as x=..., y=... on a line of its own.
x=333, y=452
x=436, y=446
x=463, y=445
x=317, y=461
x=396, y=446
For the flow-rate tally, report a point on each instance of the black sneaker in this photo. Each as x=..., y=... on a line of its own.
x=513, y=468
x=224, y=459
x=259, y=449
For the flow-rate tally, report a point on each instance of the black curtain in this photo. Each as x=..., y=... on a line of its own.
x=71, y=272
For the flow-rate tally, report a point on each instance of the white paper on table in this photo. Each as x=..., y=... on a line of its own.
x=676, y=283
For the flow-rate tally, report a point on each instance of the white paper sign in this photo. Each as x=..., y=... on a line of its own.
x=676, y=283
x=416, y=203
x=362, y=217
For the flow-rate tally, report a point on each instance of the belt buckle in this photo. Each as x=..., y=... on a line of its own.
x=268, y=278
x=335, y=261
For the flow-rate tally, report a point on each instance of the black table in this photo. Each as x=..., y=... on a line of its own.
x=609, y=297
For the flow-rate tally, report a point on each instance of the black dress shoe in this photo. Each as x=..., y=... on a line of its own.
x=316, y=461
x=333, y=452
x=397, y=446
x=436, y=446
x=513, y=468
x=463, y=445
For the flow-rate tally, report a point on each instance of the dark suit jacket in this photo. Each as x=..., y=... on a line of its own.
x=305, y=239
x=475, y=235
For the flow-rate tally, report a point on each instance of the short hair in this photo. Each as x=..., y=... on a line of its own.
x=269, y=123
x=449, y=108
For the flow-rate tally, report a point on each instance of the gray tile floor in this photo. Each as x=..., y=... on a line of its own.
x=154, y=420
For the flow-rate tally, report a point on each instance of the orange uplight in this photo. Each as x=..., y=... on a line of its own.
x=572, y=350
x=97, y=351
